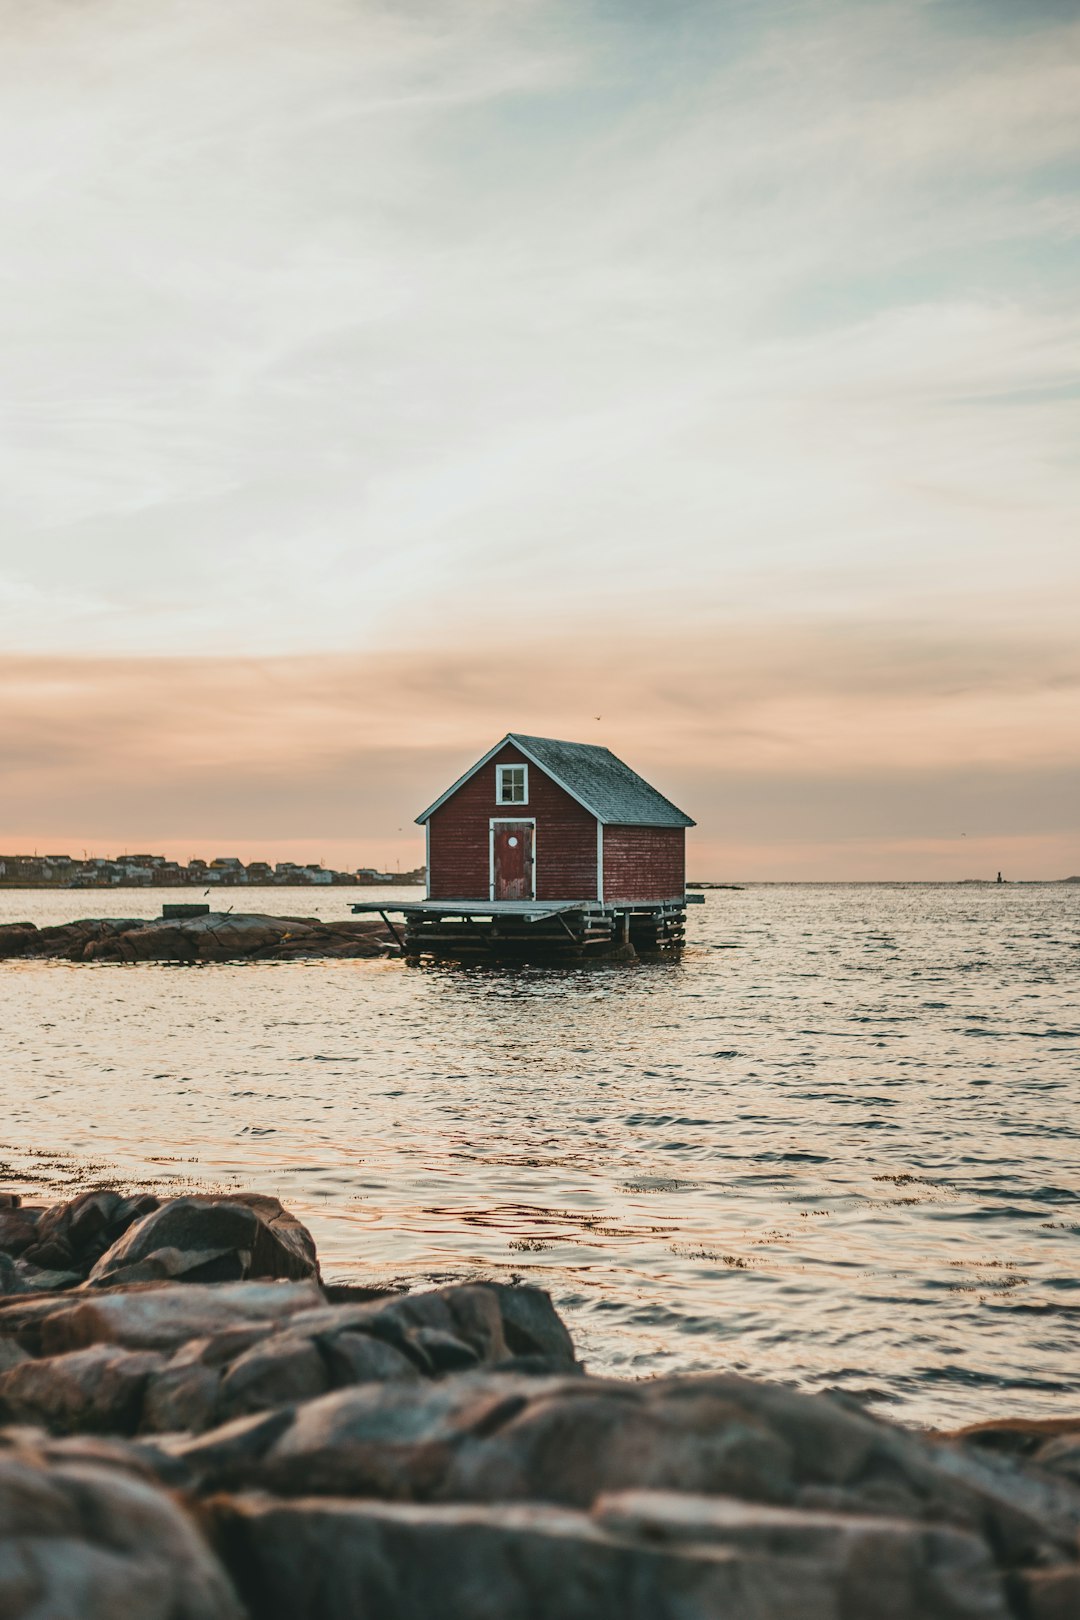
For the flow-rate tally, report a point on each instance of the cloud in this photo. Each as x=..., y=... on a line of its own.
x=378, y=377
x=327, y=319
x=800, y=742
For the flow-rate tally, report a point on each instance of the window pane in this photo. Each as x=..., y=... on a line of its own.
x=511, y=784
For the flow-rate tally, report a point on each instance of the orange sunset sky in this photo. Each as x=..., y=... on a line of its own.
x=699, y=379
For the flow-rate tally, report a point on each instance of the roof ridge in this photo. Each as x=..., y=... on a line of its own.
x=602, y=783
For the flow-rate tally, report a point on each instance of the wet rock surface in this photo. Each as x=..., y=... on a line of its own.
x=193, y=1426
x=210, y=1240
x=106, y=1240
x=216, y=937
x=501, y=1562
x=82, y=1541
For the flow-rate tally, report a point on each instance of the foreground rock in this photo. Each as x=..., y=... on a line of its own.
x=191, y=1358
x=1050, y=1443
x=264, y=1441
x=85, y=1542
x=217, y=937
x=662, y=1557
x=500, y=1438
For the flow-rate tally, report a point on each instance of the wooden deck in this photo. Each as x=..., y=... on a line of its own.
x=493, y=930
x=529, y=909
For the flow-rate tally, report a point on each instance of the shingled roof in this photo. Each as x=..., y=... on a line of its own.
x=594, y=776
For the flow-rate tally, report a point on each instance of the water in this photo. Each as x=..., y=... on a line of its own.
x=836, y=1145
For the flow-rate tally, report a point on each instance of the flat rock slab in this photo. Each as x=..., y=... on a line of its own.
x=880, y=1566
x=160, y=1318
x=334, y=1560
x=497, y=1437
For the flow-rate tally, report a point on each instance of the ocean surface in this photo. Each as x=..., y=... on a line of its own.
x=838, y=1144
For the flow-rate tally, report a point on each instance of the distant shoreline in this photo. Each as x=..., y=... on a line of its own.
x=8, y=885
x=214, y=887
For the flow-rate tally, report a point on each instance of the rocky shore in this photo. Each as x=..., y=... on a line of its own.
x=194, y=1427
x=216, y=937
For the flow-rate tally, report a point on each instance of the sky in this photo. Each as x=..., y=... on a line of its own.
x=702, y=379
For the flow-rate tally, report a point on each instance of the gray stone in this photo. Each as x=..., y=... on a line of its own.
x=531, y=1325
x=664, y=1558
x=284, y=1368
x=18, y=1229
x=883, y=1567
x=11, y=1354
x=100, y=1388
x=1061, y=1456
x=495, y=1320
x=231, y=1454
x=242, y=1235
x=1030, y=1516
x=10, y=1280
x=356, y=1358
x=36, y=1280
x=160, y=1318
x=477, y=1318
x=72, y=1236
x=182, y=1397
x=17, y=939
x=726, y=1435
x=1050, y=1594
x=1015, y=1437
x=493, y=1438
x=394, y=1440
x=450, y=1329
x=338, y=1560
x=140, y=1457
x=19, y=1278
x=79, y=1542
x=443, y=1352
x=572, y=1439
x=159, y=942
x=22, y=1319
x=178, y=1265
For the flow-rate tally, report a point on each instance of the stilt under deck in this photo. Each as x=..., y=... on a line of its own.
x=531, y=930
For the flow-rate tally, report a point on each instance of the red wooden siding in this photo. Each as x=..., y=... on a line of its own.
x=459, y=833
x=644, y=863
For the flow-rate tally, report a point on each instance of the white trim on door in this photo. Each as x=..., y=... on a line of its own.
x=496, y=821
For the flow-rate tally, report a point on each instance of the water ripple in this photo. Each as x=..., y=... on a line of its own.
x=835, y=1145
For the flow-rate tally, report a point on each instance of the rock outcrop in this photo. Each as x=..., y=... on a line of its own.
x=637, y=1557
x=196, y=1449
x=216, y=937
x=80, y=1541
x=210, y=1240
x=107, y=1240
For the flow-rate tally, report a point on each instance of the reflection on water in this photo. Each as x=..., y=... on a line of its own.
x=837, y=1144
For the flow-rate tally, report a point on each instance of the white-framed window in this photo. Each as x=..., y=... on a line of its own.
x=511, y=784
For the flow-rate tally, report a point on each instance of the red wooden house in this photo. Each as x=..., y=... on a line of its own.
x=541, y=820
